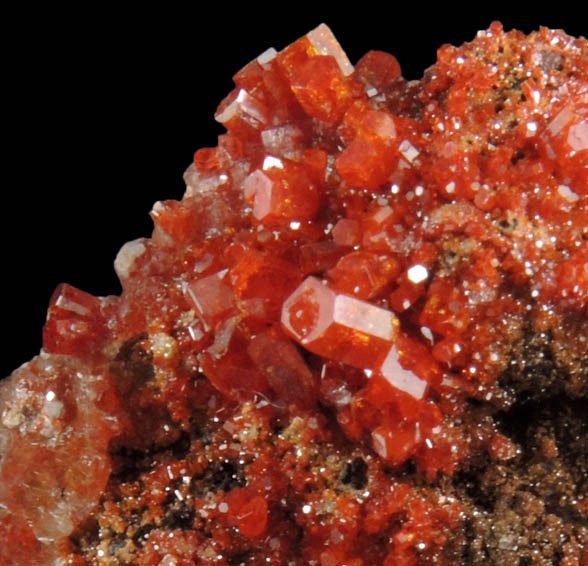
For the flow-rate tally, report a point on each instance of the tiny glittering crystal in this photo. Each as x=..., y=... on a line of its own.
x=360, y=338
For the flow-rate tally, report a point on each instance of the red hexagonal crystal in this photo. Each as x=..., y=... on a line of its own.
x=74, y=322
x=359, y=339
x=338, y=326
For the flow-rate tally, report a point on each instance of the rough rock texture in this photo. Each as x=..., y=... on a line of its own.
x=360, y=339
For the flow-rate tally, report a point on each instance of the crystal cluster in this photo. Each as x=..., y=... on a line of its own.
x=361, y=338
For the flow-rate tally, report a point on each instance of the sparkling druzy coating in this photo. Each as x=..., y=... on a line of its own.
x=360, y=339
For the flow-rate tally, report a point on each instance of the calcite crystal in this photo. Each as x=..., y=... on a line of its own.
x=360, y=339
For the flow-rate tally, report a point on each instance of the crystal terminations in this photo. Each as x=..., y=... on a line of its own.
x=360, y=339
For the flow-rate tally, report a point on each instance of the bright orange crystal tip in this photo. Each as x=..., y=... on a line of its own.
x=357, y=340
x=337, y=326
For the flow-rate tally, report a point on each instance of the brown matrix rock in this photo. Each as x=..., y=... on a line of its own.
x=360, y=338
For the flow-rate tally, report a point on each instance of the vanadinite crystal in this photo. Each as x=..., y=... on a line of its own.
x=361, y=338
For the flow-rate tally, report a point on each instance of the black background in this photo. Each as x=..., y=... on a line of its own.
x=107, y=108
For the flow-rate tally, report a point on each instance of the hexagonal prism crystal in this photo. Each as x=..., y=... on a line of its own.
x=401, y=378
x=337, y=326
x=212, y=298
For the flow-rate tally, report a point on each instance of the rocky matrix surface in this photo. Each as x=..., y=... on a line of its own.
x=360, y=339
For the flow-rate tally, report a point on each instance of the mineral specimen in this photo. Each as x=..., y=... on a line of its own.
x=361, y=338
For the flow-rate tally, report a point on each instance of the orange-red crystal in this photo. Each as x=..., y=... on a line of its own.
x=346, y=279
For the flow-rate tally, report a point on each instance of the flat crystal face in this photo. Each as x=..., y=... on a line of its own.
x=358, y=338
